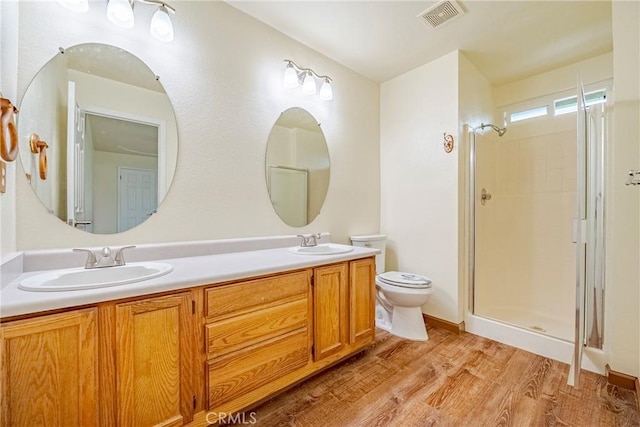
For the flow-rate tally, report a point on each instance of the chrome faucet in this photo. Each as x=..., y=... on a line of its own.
x=309, y=240
x=105, y=260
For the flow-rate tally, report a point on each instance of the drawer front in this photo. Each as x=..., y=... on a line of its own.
x=246, y=370
x=233, y=333
x=236, y=298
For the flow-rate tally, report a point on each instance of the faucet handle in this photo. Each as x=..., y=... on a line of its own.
x=91, y=261
x=119, y=259
x=305, y=239
x=313, y=239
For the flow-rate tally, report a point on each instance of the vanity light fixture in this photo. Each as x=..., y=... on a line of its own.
x=295, y=76
x=120, y=13
x=161, y=27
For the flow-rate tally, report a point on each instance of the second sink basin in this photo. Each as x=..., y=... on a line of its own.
x=71, y=279
x=323, y=249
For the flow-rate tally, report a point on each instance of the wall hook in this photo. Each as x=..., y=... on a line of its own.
x=9, y=131
x=448, y=143
x=39, y=147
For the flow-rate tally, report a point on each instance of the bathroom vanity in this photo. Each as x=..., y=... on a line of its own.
x=176, y=356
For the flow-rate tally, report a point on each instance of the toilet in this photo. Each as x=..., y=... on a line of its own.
x=399, y=295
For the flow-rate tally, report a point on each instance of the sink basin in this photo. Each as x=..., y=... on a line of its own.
x=72, y=279
x=323, y=249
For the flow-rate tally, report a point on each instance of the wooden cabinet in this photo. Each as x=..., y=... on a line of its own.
x=155, y=361
x=49, y=366
x=344, y=298
x=362, y=301
x=169, y=360
x=330, y=297
x=257, y=332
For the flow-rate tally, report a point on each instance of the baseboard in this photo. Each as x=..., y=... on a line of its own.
x=638, y=394
x=622, y=380
x=457, y=328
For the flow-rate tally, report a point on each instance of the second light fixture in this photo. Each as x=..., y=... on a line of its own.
x=295, y=76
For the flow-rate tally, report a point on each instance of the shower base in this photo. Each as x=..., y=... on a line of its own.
x=524, y=338
x=535, y=321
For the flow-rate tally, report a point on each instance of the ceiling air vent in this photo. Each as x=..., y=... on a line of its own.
x=441, y=13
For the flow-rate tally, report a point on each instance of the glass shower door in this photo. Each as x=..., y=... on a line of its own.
x=580, y=229
x=589, y=232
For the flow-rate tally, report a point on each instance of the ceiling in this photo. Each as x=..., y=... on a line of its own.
x=506, y=40
x=122, y=136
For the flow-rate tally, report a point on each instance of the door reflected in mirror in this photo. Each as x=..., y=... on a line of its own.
x=297, y=167
x=111, y=133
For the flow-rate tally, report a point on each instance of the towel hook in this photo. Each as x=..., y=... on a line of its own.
x=9, y=131
x=448, y=143
x=39, y=147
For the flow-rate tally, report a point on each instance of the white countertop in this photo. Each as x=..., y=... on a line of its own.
x=187, y=272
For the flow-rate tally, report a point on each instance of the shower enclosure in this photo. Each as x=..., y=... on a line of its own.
x=536, y=225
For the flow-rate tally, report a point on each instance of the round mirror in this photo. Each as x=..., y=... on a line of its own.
x=98, y=138
x=297, y=167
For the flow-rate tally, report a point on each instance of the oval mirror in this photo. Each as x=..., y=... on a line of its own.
x=297, y=167
x=98, y=138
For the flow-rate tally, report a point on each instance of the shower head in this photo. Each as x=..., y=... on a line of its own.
x=501, y=131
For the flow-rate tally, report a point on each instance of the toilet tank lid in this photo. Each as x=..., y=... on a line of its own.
x=368, y=237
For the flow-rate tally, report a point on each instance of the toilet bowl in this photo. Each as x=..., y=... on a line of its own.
x=399, y=296
x=398, y=301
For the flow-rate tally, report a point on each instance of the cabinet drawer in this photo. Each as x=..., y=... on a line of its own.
x=251, y=328
x=248, y=369
x=240, y=297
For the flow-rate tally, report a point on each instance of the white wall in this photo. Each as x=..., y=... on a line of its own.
x=592, y=70
x=419, y=181
x=223, y=74
x=8, y=85
x=623, y=204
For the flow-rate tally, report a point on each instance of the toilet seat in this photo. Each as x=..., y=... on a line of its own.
x=404, y=280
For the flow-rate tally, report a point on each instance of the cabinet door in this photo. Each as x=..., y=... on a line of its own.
x=155, y=354
x=362, y=301
x=331, y=317
x=49, y=366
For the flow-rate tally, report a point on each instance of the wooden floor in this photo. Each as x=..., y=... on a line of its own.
x=450, y=380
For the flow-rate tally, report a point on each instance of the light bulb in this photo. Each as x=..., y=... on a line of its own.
x=309, y=84
x=161, y=27
x=290, y=77
x=80, y=6
x=120, y=12
x=326, y=92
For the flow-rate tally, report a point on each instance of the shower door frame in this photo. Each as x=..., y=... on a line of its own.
x=599, y=163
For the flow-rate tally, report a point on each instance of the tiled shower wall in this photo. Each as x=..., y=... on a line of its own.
x=525, y=260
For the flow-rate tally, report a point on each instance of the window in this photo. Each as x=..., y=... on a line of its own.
x=570, y=104
x=554, y=105
x=529, y=114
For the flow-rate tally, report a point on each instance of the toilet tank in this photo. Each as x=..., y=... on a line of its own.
x=375, y=241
